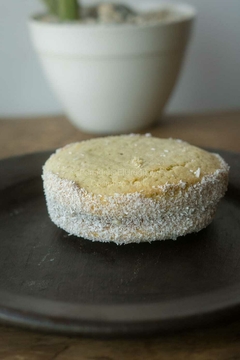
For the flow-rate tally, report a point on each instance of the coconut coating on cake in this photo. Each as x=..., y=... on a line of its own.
x=133, y=188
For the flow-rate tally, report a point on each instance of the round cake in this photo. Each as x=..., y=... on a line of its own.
x=133, y=188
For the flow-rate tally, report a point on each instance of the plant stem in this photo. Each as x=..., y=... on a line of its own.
x=68, y=10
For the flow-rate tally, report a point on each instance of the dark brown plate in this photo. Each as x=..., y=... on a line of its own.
x=55, y=282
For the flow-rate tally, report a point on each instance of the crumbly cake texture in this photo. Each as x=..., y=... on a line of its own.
x=133, y=188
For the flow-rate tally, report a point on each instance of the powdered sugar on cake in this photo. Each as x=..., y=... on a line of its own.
x=175, y=210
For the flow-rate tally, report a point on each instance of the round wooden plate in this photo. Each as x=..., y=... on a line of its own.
x=55, y=282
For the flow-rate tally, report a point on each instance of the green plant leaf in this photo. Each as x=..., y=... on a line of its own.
x=52, y=6
x=68, y=10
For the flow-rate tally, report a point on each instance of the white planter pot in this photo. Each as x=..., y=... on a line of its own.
x=112, y=79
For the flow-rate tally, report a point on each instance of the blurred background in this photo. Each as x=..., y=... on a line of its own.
x=209, y=80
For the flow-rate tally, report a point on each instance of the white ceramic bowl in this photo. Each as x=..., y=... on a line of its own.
x=113, y=79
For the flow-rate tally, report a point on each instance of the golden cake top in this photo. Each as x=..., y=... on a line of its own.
x=131, y=163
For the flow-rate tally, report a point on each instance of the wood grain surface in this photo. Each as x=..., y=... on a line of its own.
x=222, y=342
x=20, y=136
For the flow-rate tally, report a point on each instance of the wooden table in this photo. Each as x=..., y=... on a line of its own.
x=222, y=342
